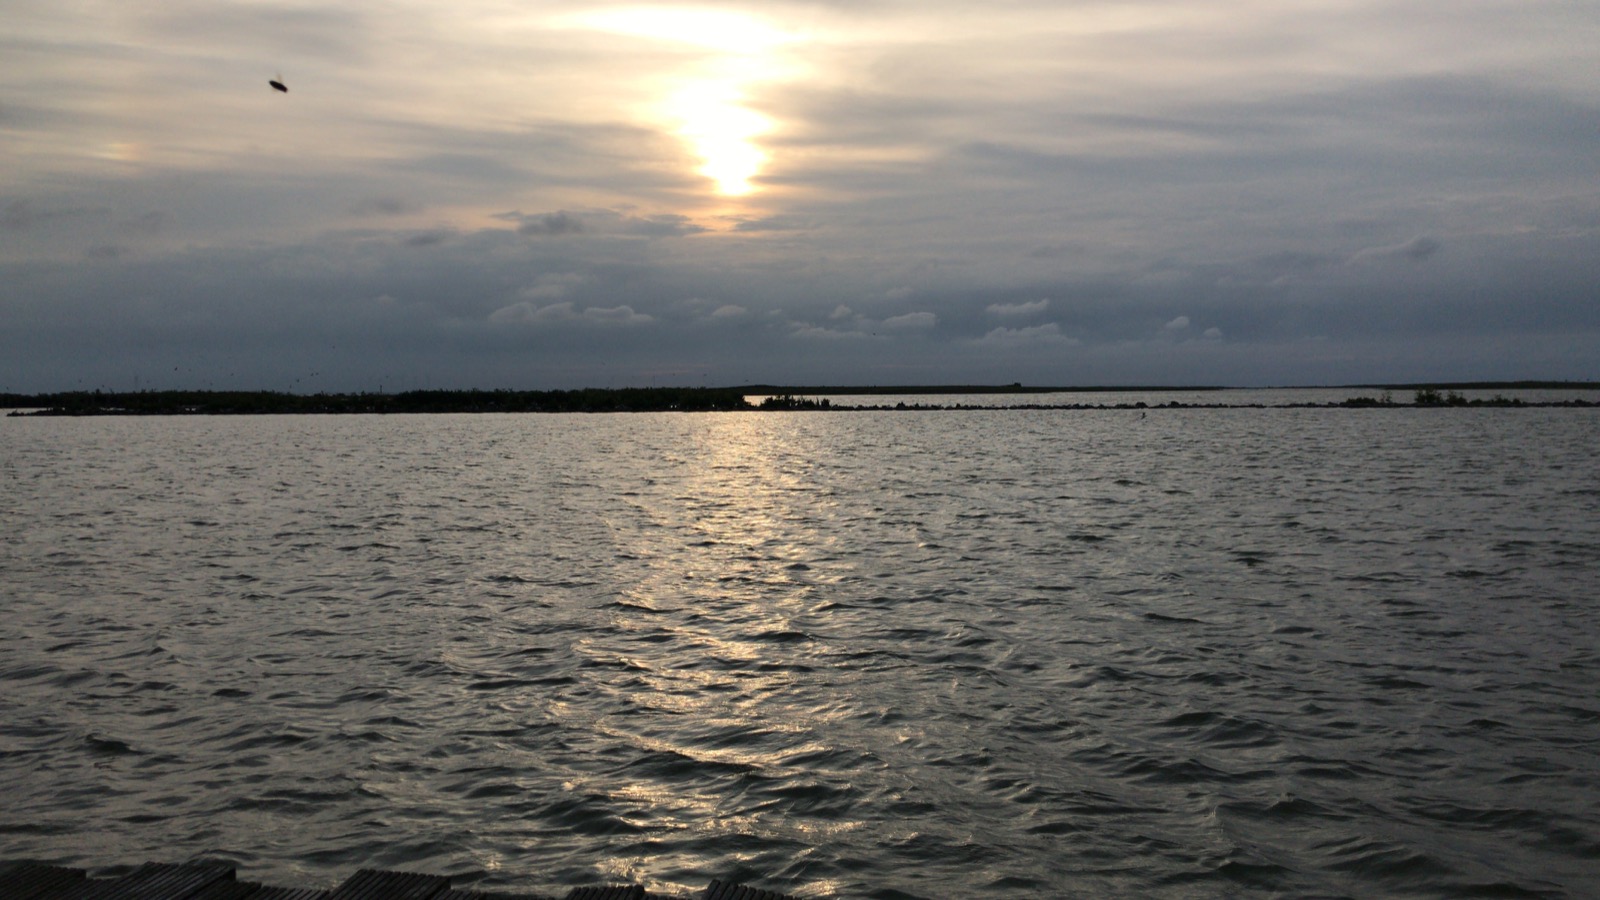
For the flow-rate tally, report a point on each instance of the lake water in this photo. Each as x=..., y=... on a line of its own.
x=1197, y=653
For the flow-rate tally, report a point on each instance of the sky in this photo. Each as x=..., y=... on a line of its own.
x=541, y=195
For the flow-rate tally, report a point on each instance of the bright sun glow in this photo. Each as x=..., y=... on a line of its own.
x=708, y=110
x=722, y=133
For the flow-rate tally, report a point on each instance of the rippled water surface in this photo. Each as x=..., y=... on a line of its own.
x=1201, y=653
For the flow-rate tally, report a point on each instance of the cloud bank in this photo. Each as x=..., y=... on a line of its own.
x=571, y=195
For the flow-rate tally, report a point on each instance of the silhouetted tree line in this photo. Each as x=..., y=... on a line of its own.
x=790, y=401
x=656, y=399
x=167, y=403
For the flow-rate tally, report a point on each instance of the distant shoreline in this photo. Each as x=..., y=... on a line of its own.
x=776, y=397
x=1018, y=388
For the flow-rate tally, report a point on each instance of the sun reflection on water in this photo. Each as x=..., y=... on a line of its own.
x=707, y=642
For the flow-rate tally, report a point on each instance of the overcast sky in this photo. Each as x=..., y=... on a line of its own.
x=519, y=194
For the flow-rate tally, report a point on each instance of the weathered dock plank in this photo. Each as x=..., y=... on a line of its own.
x=33, y=881
x=376, y=884
x=282, y=893
x=724, y=891
x=614, y=892
x=151, y=881
x=228, y=890
x=464, y=894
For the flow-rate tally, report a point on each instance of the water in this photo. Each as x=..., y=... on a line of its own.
x=1203, y=653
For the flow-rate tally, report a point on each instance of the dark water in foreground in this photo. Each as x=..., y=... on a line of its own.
x=1207, y=653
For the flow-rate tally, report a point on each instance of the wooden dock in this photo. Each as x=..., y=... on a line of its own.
x=219, y=881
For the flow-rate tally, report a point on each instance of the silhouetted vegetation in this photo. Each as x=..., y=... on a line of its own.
x=169, y=403
x=1432, y=397
x=684, y=399
x=790, y=401
x=1013, y=388
x=1386, y=399
x=1489, y=386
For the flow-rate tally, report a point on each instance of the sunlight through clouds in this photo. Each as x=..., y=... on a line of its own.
x=722, y=133
x=706, y=106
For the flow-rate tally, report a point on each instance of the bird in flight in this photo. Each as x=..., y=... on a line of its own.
x=278, y=86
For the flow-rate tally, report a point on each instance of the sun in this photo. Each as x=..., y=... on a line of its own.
x=722, y=132
x=707, y=106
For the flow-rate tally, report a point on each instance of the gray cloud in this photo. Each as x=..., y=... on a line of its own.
x=527, y=313
x=272, y=31
x=426, y=238
x=818, y=333
x=617, y=315
x=915, y=321
x=773, y=223
x=383, y=206
x=1048, y=334
x=603, y=221
x=23, y=214
x=1417, y=249
x=1010, y=310
x=557, y=223
x=662, y=225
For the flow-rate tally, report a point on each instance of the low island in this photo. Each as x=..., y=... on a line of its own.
x=691, y=399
